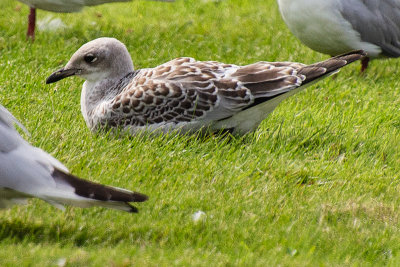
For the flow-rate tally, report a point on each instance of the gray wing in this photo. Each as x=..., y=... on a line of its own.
x=377, y=21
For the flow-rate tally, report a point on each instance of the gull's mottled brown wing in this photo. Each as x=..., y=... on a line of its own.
x=178, y=91
x=183, y=90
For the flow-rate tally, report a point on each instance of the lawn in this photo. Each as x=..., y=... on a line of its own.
x=316, y=184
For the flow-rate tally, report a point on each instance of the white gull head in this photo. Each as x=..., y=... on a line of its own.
x=102, y=58
x=102, y=62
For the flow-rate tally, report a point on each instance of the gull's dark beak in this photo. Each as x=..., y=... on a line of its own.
x=60, y=74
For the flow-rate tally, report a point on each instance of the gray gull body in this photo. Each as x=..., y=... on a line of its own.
x=27, y=172
x=338, y=26
x=183, y=93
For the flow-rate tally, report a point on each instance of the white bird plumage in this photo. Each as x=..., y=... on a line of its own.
x=338, y=26
x=27, y=171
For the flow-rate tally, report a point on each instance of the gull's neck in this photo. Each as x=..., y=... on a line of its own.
x=94, y=95
x=101, y=87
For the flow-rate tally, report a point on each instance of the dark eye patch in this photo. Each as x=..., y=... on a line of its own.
x=90, y=58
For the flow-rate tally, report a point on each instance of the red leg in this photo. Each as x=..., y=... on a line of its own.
x=364, y=64
x=30, y=34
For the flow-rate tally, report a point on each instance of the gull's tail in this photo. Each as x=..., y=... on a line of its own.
x=272, y=82
x=317, y=70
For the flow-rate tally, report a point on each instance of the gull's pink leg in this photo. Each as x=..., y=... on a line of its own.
x=364, y=64
x=30, y=34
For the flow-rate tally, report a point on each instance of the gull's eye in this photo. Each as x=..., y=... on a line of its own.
x=90, y=58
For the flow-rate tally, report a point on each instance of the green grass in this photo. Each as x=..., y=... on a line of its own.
x=316, y=184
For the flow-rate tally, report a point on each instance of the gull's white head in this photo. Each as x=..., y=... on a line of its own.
x=102, y=58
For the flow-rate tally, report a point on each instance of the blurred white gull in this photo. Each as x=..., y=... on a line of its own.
x=27, y=172
x=184, y=94
x=61, y=6
x=338, y=26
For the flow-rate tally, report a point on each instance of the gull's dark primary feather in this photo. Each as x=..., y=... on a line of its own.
x=112, y=195
x=315, y=71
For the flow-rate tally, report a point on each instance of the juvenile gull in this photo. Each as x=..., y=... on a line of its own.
x=183, y=93
x=27, y=172
x=61, y=6
x=338, y=26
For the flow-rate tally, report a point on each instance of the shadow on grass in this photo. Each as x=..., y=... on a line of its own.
x=175, y=137
x=18, y=231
